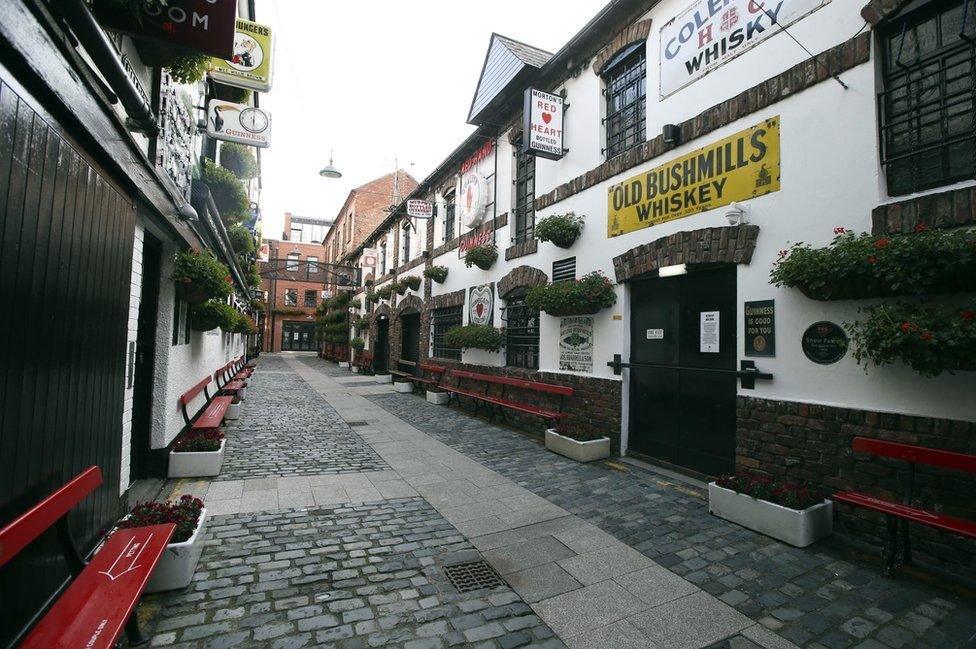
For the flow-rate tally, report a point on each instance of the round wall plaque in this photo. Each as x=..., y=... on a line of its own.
x=824, y=343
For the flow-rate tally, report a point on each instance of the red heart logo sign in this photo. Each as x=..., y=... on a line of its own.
x=546, y=117
x=479, y=309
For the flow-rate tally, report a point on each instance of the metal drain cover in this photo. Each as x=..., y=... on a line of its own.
x=476, y=575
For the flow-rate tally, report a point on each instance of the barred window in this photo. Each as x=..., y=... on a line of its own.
x=524, y=196
x=442, y=320
x=449, y=216
x=625, y=77
x=291, y=297
x=521, y=333
x=927, y=112
x=405, y=240
x=309, y=298
x=293, y=261
x=383, y=260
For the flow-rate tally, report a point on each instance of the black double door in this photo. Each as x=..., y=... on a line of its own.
x=298, y=337
x=381, y=354
x=410, y=337
x=682, y=381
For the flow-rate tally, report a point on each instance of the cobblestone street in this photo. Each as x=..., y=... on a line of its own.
x=342, y=507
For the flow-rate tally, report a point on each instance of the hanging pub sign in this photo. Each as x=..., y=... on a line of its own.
x=760, y=328
x=542, y=124
x=198, y=25
x=709, y=34
x=824, y=343
x=250, y=64
x=473, y=201
x=238, y=123
x=480, y=304
x=370, y=257
x=741, y=166
x=419, y=209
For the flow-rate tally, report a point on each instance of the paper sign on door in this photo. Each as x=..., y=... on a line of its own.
x=708, y=342
x=655, y=334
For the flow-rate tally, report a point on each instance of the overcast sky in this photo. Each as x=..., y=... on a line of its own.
x=375, y=79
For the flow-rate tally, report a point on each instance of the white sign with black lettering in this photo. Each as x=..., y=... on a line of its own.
x=708, y=340
x=655, y=334
x=238, y=123
x=419, y=209
x=710, y=33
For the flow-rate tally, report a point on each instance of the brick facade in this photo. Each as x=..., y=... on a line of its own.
x=811, y=443
x=520, y=277
x=636, y=32
x=729, y=244
x=951, y=209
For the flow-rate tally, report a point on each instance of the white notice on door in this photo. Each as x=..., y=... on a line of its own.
x=708, y=342
x=655, y=334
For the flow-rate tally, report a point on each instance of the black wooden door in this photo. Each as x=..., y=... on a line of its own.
x=142, y=393
x=410, y=337
x=682, y=412
x=65, y=265
x=381, y=354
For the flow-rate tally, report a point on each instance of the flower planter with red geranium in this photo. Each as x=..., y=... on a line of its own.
x=197, y=454
x=200, y=277
x=584, y=296
x=788, y=513
x=179, y=561
x=576, y=444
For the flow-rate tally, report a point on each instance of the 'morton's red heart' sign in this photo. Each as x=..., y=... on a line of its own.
x=546, y=117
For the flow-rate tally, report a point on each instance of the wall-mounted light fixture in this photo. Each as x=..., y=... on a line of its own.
x=736, y=214
x=671, y=271
x=187, y=213
x=672, y=134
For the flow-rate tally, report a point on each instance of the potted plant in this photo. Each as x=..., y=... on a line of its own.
x=371, y=298
x=244, y=325
x=561, y=229
x=403, y=386
x=475, y=336
x=179, y=561
x=437, y=396
x=362, y=322
x=410, y=281
x=200, y=277
x=588, y=294
x=228, y=192
x=384, y=293
x=577, y=443
x=482, y=256
x=929, y=338
x=239, y=160
x=436, y=273
x=197, y=454
x=787, y=512
x=399, y=287
x=213, y=314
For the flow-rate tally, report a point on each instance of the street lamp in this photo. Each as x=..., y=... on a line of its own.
x=329, y=170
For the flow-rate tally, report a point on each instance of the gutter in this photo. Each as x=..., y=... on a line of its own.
x=99, y=48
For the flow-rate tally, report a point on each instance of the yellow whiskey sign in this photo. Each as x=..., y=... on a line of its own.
x=736, y=168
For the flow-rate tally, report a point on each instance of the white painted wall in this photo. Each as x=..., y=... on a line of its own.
x=135, y=296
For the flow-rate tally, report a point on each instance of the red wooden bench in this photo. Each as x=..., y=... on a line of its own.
x=364, y=361
x=103, y=593
x=502, y=400
x=234, y=378
x=418, y=374
x=241, y=368
x=898, y=515
x=212, y=414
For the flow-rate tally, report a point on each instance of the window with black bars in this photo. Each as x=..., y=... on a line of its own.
x=449, y=216
x=521, y=333
x=524, y=196
x=181, y=322
x=442, y=320
x=926, y=108
x=405, y=244
x=625, y=78
x=383, y=260
x=309, y=298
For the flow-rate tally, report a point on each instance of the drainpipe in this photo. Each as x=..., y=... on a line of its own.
x=99, y=48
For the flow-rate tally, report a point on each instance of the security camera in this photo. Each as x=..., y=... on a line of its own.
x=736, y=215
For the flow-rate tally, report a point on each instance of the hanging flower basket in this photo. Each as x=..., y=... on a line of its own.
x=200, y=277
x=929, y=338
x=384, y=293
x=483, y=256
x=560, y=229
x=436, y=273
x=213, y=314
x=411, y=281
x=584, y=296
x=399, y=287
x=852, y=266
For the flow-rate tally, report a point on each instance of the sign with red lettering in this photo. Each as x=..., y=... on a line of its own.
x=238, y=123
x=200, y=25
x=474, y=239
x=542, y=127
x=483, y=152
x=710, y=33
x=419, y=209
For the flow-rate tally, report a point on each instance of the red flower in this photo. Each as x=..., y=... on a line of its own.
x=921, y=227
x=881, y=243
x=783, y=253
x=840, y=230
x=872, y=259
x=926, y=336
x=908, y=327
x=968, y=315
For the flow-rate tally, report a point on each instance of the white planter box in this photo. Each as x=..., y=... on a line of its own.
x=242, y=393
x=344, y=365
x=384, y=378
x=355, y=369
x=403, y=387
x=179, y=561
x=594, y=449
x=439, y=398
x=233, y=411
x=796, y=527
x=196, y=465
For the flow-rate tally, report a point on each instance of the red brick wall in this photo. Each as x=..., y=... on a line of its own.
x=812, y=444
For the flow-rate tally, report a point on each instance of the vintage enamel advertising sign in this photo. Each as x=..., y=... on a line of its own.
x=251, y=64
x=238, y=123
x=199, y=25
x=473, y=199
x=543, y=124
x=419, y=209
x=710, y=33
x=481, y=304
x=736, y=168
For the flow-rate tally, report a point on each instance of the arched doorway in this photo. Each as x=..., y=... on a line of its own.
x=410, y=336
x=381, y=352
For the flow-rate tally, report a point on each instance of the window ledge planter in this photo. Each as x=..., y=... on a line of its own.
x=588, y=451
x=384, y=378
x=344, y=365
x=797, y=527
x=179, y=561
x=403, y=387
x=438, y=398
x=196, y=464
